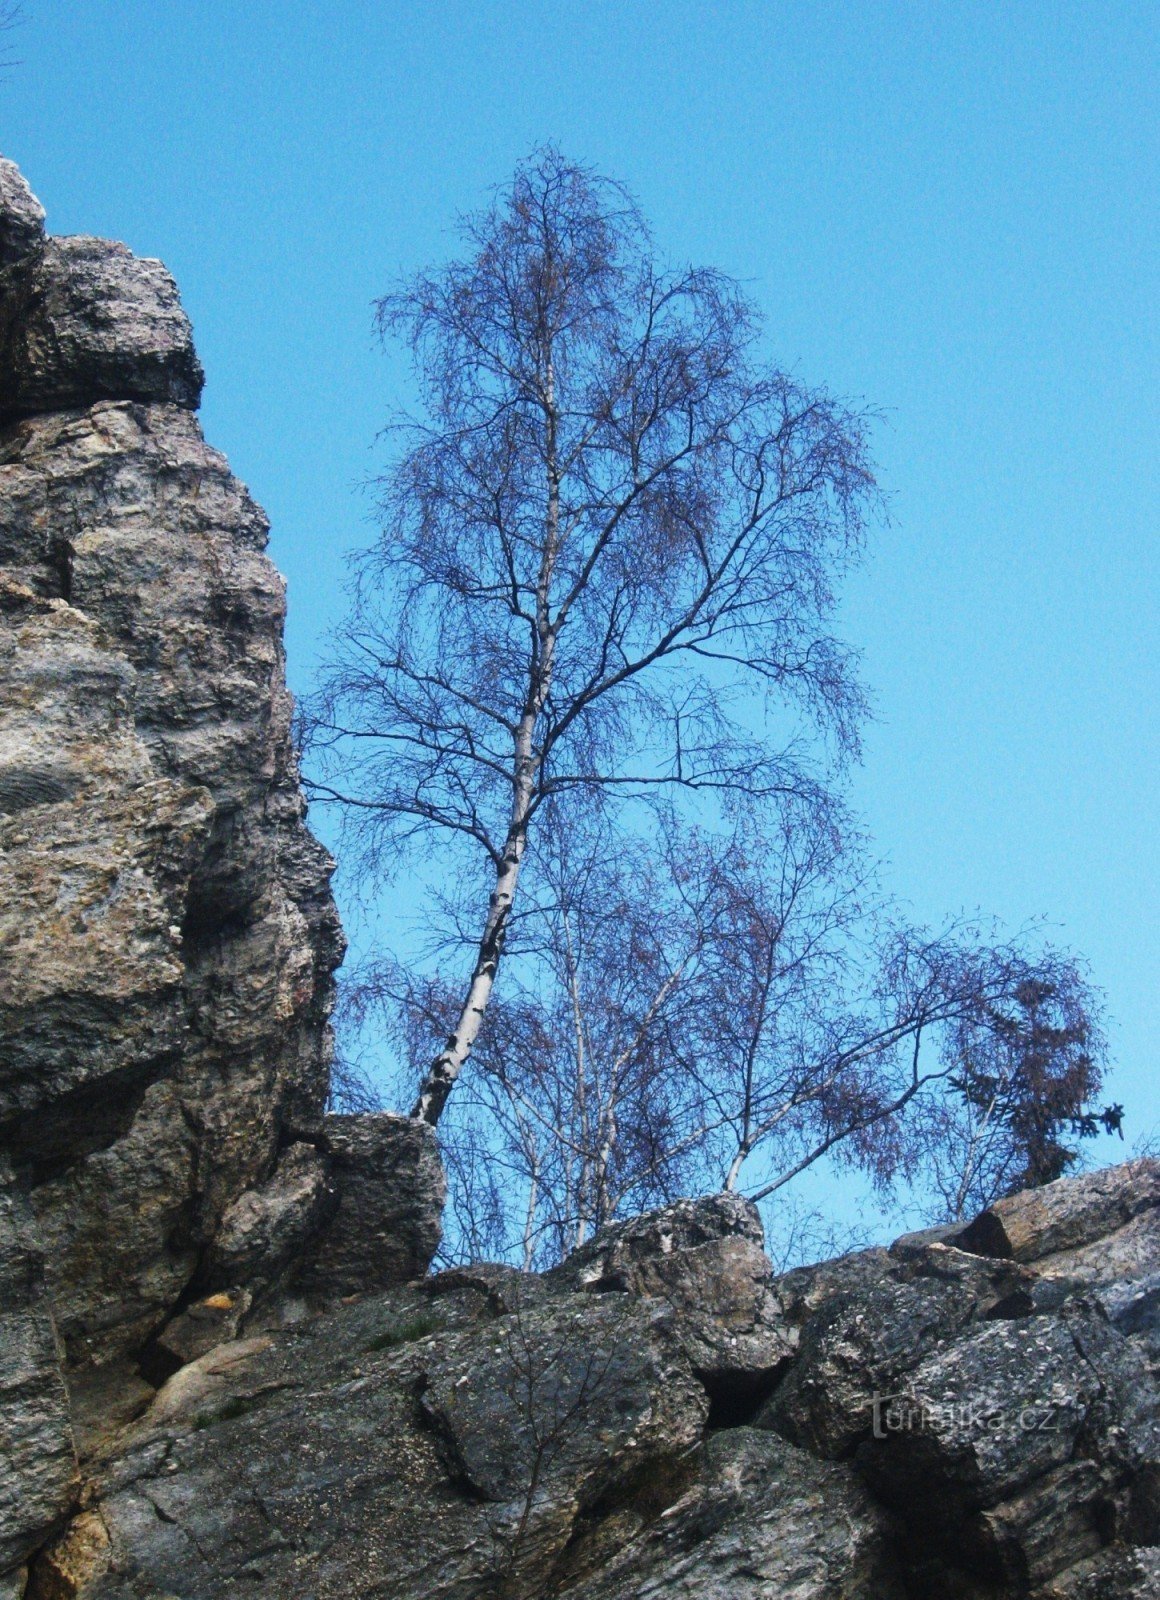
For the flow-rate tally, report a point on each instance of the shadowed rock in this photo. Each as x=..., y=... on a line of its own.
x=83, y=320
x=38, y=1467
x=388, y=1220
x=705, y=1259
x=860, y=1346
x=495, y=1433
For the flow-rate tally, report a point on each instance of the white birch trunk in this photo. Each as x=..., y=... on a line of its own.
x=451, y=1060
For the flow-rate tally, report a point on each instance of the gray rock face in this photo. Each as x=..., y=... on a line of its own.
x=21, y=215
x=858, y=1345
x=84, y=320
x=484, y=1434
x=760, y=1519
x=266, y=1230
x=553, y=1411
x=169, y=935
x=167, y=932
x=38, y=1466
x=492, y=1433
x=704, y=1259
x=1024, y=1442
x=1116, y=1574
x=388, y=1220
x=1065, y=1215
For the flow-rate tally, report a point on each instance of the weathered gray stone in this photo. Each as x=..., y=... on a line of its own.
x=1011, y=1451
x=1129, y=1254
x=21, y=215
x=761, y=1520
x=1115, y=1574
x=805, y=1290
x=490, y=1432
x=500, y=1287
x=84, y=320
x=147, y=744
x=1133, y=1304
x=38, y=1468
x=613, y=1258
x=204, y=1325
x=558, y=1404
x=167, y=935
x=388, y=1221
x=265, y=1232
x=705, y=1259
x=859, y=1346
x=1065, y=1215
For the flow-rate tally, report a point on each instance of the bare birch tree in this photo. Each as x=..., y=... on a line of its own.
x=683, y=1013
x=11, y=16
x=607, y=564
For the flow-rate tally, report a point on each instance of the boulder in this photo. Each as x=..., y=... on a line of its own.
x=803, y=1291
x=83, y=320
x=551, y=1411
x=1013, y=1451
x=21, y=215
x=614, y=1258
x=387, y=1223
x=1127, y=1254
x=266, y=1231
x=760, y=1519
x=1065, y=1215
x=704, y=1259
x=859, y=1346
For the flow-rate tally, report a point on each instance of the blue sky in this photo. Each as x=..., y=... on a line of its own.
x=947, y=210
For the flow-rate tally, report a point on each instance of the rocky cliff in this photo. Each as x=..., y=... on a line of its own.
x=223, y=1368
x=968, y=1415
x=167, y=932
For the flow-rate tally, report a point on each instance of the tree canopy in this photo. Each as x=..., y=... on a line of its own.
x=590, y=693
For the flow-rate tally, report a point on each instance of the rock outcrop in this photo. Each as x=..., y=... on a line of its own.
x=934, y=1424
x=167, y=932
x=222, y=1368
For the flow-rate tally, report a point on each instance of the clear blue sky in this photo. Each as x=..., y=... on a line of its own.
x=949, y=210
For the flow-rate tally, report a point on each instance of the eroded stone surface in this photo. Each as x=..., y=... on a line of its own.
x=38, y=1469
x=1067, y=1214
x=761, y=1519
x=860, y=1344
x=166, y=927
x=21, y=215
x=265, y=1232
x=388, y=1220
x=493, y=1433
x=705, y=1259
x=83, y=320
